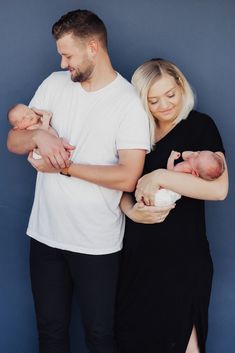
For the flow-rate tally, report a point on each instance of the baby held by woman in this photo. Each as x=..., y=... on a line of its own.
x=204, y=164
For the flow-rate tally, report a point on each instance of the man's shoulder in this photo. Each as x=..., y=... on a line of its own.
x=58, y=77
x=125, y=84
x=127, y=92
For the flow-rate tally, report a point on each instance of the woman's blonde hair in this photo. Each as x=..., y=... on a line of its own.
x=147, y=74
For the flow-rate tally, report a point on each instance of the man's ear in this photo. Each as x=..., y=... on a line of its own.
x=93, y=47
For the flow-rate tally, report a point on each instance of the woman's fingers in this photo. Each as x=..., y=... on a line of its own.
x=152, y=214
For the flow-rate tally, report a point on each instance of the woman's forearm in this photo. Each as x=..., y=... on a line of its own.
x=182, y=183
x=126, y=203
x=191, y=186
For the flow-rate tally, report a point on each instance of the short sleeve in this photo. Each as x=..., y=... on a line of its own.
x=40, y=98
x=133, y=130
x=206, y=134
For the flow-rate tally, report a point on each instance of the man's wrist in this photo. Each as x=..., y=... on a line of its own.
x=66, y=171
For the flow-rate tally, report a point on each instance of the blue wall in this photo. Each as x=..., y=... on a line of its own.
x=197, y=35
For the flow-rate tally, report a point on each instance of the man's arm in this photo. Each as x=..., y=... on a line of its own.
x=54, y=150
x=21, y=141
x=122, y=176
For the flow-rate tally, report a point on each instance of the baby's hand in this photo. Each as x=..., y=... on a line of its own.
x=175, y=155
x=42, y=113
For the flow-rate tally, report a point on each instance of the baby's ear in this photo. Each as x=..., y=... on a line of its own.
x=195, y=173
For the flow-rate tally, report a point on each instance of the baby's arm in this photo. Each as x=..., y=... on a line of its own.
x=173, y=156
x=52, y=131
x=45, y=117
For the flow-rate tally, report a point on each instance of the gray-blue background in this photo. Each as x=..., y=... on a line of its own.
x=198, y=35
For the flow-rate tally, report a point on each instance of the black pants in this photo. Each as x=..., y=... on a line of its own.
x=54, y=275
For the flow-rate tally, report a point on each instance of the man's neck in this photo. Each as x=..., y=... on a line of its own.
x=102, y=75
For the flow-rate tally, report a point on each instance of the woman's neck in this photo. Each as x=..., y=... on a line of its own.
x=162, y=129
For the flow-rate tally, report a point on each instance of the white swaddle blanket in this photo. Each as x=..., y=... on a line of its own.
x=165, y=197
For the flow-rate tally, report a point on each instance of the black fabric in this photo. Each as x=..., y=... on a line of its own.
x=166, y=268
x=54, y=275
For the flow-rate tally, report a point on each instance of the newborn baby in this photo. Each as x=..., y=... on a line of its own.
x=204, y=164
x=21, y=117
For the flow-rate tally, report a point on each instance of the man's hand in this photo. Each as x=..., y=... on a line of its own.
x=141, y=213
x=54, y=150
x=41, y=165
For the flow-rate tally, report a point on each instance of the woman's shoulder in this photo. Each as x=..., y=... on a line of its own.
x=203, y=131
x=198, y=120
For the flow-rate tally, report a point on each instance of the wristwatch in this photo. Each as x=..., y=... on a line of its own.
x=65, y=171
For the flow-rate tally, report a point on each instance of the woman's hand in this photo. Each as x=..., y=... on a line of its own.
x=140, y=213
x=146, y=188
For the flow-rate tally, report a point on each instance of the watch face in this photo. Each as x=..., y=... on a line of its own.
x=65, y=172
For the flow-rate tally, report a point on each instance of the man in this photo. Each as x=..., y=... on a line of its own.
x=76, y=225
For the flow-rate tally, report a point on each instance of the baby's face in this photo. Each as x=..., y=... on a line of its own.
x=25, y=117
x=196, y=158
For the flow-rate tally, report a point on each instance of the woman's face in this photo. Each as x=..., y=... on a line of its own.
x=165, y=99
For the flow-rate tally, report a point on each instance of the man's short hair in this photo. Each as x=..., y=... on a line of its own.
x=81, y=23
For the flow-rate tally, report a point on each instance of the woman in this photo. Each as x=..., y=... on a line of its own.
x=166, y=271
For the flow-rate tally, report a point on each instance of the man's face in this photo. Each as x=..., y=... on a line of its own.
x=76, y=57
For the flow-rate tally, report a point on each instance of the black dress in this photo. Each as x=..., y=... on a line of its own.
x=166, y=269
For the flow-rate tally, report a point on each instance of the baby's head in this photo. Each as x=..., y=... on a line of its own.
x=21, y=117
x=206, y=164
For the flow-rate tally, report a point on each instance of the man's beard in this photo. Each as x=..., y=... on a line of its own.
x=82, y=76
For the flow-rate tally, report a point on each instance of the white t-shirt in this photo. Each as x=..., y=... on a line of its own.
x=70, y=213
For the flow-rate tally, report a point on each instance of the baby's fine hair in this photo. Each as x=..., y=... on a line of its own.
x=214, y=169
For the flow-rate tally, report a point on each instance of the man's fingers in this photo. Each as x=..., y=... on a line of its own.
x=62, y=164
x=138, y=196
x=64, y=155
x=53, y=161
x=67, y=145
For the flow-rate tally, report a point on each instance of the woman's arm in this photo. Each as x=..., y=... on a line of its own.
x=140, y=213
x=184, y=184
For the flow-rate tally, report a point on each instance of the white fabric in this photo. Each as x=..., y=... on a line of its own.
x=36, y=155
x=69, y=213
x=165, y=197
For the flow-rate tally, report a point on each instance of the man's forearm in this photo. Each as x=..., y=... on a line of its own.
x=21, y=141
x=118, y=177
